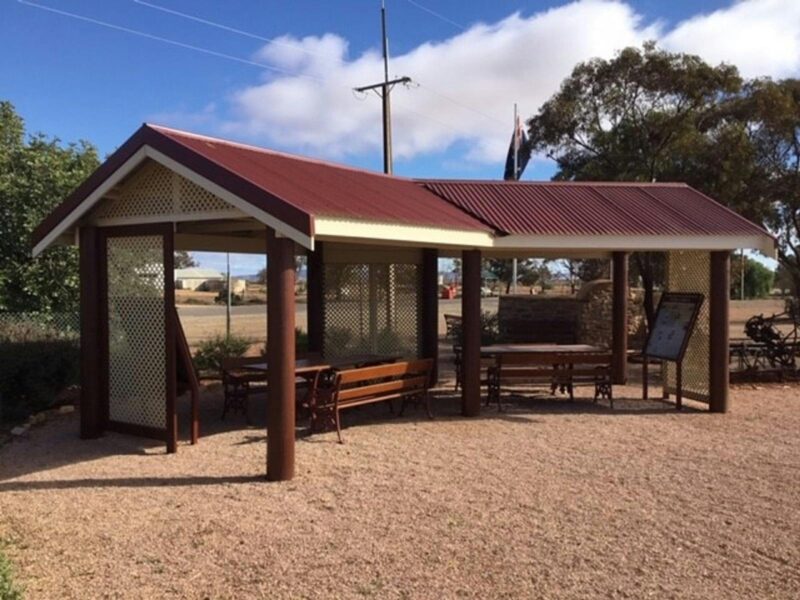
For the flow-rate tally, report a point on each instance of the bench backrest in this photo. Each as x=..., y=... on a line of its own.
x=397, y=378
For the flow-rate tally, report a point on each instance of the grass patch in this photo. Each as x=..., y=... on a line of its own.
x=8, y=589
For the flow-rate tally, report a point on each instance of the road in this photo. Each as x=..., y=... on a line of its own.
x=201, y=322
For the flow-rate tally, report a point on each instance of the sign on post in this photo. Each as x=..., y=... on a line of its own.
x=669, y=337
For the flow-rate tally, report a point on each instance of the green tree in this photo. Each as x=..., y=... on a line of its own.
x=36, y=174
x=184, y=260
x=758, y=279
x=771, y=113
x=648, y=115
x=528, y=271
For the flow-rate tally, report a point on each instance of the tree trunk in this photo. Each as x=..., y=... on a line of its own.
x=645, y=265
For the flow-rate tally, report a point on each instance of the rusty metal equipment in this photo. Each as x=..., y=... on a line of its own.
x=772, y=347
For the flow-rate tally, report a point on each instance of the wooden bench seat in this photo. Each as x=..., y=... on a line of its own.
x=556, y=370
x=408, y=381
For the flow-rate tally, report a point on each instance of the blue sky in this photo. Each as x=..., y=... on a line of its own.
x=470, y=62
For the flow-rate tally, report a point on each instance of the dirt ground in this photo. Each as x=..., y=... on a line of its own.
x=548, y=499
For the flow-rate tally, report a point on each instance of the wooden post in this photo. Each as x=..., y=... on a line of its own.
x=280, y=357
x=91, y=361
x=718, y=332
x=315, y=304
x=429, y=313
x=619, y=327
x=471, y=333
x=170, y=326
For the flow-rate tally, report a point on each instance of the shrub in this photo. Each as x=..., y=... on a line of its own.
x=300, y=340
x=210, y=353
x=222, y=298
x=38, y=359
x=8, y=589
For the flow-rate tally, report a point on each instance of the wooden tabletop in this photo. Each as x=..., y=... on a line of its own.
x=311, y=365
x=496, y=349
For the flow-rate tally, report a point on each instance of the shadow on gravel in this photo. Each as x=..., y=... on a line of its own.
x=127, y=482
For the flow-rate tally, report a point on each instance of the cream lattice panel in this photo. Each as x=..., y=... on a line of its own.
x=136, y=331
x=154, y=191
x=372, y=309
x=690, y=272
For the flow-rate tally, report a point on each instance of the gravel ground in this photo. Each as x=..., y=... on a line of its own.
x=547, y=499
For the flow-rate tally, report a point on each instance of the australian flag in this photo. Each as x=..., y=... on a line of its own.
x=521, y=147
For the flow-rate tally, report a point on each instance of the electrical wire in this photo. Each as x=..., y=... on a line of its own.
x=227, y=28
x=230, y=57
x=436, y=14
x=164, y=40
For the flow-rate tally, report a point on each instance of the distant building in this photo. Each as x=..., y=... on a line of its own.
x=205, y=280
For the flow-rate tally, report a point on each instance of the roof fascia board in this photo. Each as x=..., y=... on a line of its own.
x=412, y=235
x=71, y=219
x=632, y=243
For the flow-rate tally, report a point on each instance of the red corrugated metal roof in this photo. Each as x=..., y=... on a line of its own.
x=587, y=208
x=324, y=189
x=295, y=190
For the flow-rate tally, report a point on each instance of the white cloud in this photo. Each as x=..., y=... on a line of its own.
x=761, y=37
x=468, y=83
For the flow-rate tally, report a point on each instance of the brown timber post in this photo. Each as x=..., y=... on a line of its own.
x=619, y=326
x=719, y=353
x=91, y=362
x=471, y=333
x=315, y=304
x=280, y=357
x=170, y=328
x=429, y=321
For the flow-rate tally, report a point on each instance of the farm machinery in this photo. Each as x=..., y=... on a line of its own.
x=772, y=347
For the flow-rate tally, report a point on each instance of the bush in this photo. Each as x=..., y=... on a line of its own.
x=300, y=340
x=211, y=353
x=8, y=589
x=222, y=298
x=38, y=360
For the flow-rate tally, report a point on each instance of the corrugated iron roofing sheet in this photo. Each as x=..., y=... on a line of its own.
x=579, y=208
x=324, y=189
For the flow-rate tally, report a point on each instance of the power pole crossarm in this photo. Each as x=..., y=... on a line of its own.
x=390, y=83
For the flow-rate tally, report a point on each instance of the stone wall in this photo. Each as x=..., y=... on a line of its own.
x=584, y=318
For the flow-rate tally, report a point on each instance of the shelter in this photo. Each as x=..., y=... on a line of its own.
x=372, y=242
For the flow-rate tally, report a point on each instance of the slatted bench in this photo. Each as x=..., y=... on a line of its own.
x=556, y=370
x=408, y=380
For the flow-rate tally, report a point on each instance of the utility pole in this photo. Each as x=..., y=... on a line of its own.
x=384, y=89
x=514, y=264
x=228, y=298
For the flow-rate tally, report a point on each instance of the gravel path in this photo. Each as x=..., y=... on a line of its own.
x=548, y=499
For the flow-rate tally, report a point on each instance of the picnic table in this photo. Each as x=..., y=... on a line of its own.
x=561, y=366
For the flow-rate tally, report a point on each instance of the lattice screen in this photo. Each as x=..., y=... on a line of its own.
x=136, y=331
x=155, y=190
x=690, y=272
x=372, y=309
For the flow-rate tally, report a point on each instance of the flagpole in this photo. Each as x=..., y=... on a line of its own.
x=516, y=176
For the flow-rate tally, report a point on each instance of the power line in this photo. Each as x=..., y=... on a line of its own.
x=230, y=57
x=227, y=28
x=459, y=103
x=436, y=14
x=164, y=40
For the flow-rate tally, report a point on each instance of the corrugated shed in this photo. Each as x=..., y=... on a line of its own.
x=578, y=208
x=324, y=189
